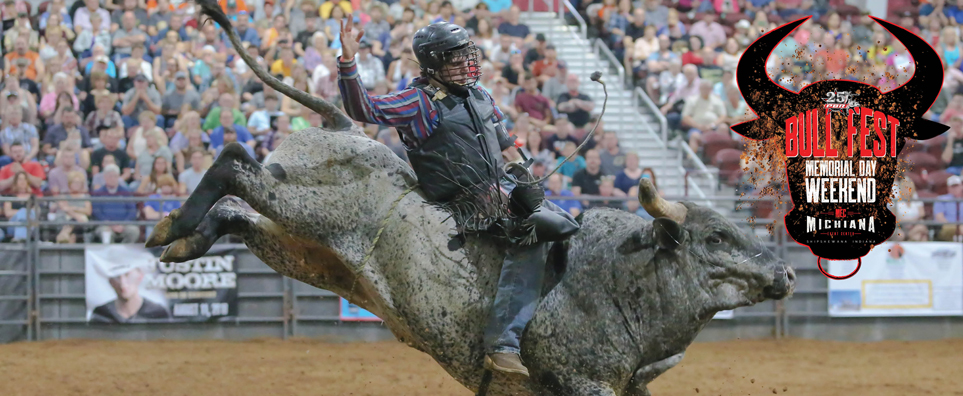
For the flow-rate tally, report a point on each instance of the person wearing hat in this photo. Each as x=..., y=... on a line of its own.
x=142, y=97
x=949, y=208
x=174, y=100
x=125, y=277
x=231, y=7
x=535, y=53
x=370, y=67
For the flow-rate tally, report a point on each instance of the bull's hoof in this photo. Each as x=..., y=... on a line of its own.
x=162, y=234
x=185, y=249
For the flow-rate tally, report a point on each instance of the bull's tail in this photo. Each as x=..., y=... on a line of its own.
x=338, y=120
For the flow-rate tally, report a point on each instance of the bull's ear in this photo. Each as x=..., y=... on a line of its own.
x=668, y=234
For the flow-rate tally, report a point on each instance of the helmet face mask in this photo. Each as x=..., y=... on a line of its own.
x=458, y=66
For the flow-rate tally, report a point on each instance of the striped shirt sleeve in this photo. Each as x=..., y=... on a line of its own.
x=409, y=110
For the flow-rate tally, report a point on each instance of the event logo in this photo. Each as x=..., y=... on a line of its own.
x=840, y=153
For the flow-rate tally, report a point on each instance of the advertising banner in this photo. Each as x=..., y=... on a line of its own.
x=128, y=284
x=901, y=279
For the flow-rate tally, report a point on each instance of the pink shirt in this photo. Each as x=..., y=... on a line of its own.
x=49, y=102
x=712, y=35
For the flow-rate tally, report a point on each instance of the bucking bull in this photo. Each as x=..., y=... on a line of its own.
x=622, y=299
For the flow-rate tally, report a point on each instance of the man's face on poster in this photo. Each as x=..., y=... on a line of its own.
x=126, y=286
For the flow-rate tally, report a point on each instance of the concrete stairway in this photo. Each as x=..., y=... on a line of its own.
x=639, y=130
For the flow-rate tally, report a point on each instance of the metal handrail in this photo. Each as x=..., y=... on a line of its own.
x=702, y=167
x=663, y=124
x=601, y=49
x=582, y=26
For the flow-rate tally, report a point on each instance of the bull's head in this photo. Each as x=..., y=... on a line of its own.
x=733, y=267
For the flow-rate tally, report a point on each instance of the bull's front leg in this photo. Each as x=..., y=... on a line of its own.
x=643, y=376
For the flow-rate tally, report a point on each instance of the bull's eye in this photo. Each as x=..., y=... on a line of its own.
x=714, y=239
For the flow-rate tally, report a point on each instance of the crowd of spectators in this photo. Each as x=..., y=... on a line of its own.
x=121, y=98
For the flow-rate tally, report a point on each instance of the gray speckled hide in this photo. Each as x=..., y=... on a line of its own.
x=626, y=308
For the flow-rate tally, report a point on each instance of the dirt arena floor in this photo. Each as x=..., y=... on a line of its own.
x=308, y=367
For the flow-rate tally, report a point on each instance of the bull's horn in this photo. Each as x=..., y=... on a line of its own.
x=338, y=120
x=763, y=96
x=924, y=86
x=656, y=206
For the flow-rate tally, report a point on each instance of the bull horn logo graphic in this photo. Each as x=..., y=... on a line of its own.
x=840, y=153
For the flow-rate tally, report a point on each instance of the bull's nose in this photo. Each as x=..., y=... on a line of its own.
x=791, y=274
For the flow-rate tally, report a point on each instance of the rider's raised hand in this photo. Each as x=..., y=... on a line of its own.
x=349, y=42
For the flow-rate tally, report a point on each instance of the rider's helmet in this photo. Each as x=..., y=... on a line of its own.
x=447, y=54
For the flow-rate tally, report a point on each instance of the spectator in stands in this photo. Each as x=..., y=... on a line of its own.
x=78, y=211
x=905, y=201
x=536, y=52
x=950, y=207
x=58, y=133
x=953, y=151
x=191, y=177
x=242, y=134
x=633, y=206
x=264, y=120
x=512, y=27
x=702, y=113
x=230, y=135
x=104, y=117
x=573, y=165
x=555, y=189
x=83, y=16
x=514, y=71
x=18, y=131
x=62, y=85
x=712, y=33
x=23, y=61
x=576, y=105
x=658, y=60
x=586, y=181
x=140, y=98
x=564, y=132
x=737, y=111
x=639, y=49
x=115, y=211
x=145, y=163
x=547, y=67
x=611, y=154
x=226, y=101
x=535, y=149
x=531, y=101
x=33, y=170
x=97, y=181
x=630, y=175
x=18, y=96
x=66, y=161
x=174, y=101
x=89, y=38
x=140, y=15
x=195, y=142
x=607, y=190
x=370, y=68
x=917, y=233
x=16, y=211
x=137, y=136
x=111, y=147
x=156, y=210
x=125, y=38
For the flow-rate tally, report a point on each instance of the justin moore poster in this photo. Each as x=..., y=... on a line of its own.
x=840, y=140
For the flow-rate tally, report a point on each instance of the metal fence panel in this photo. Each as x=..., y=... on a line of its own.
x=15, y=303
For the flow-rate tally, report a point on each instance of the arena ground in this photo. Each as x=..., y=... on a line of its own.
x=309, y=367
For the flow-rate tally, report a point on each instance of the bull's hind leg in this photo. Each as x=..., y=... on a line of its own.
x=290, y=256
x=643, y=376
x=231, y=174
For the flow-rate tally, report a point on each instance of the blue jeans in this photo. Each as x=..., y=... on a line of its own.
x=519, y=291
x=20, y=232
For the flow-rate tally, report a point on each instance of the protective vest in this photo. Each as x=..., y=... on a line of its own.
x=462, y=156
